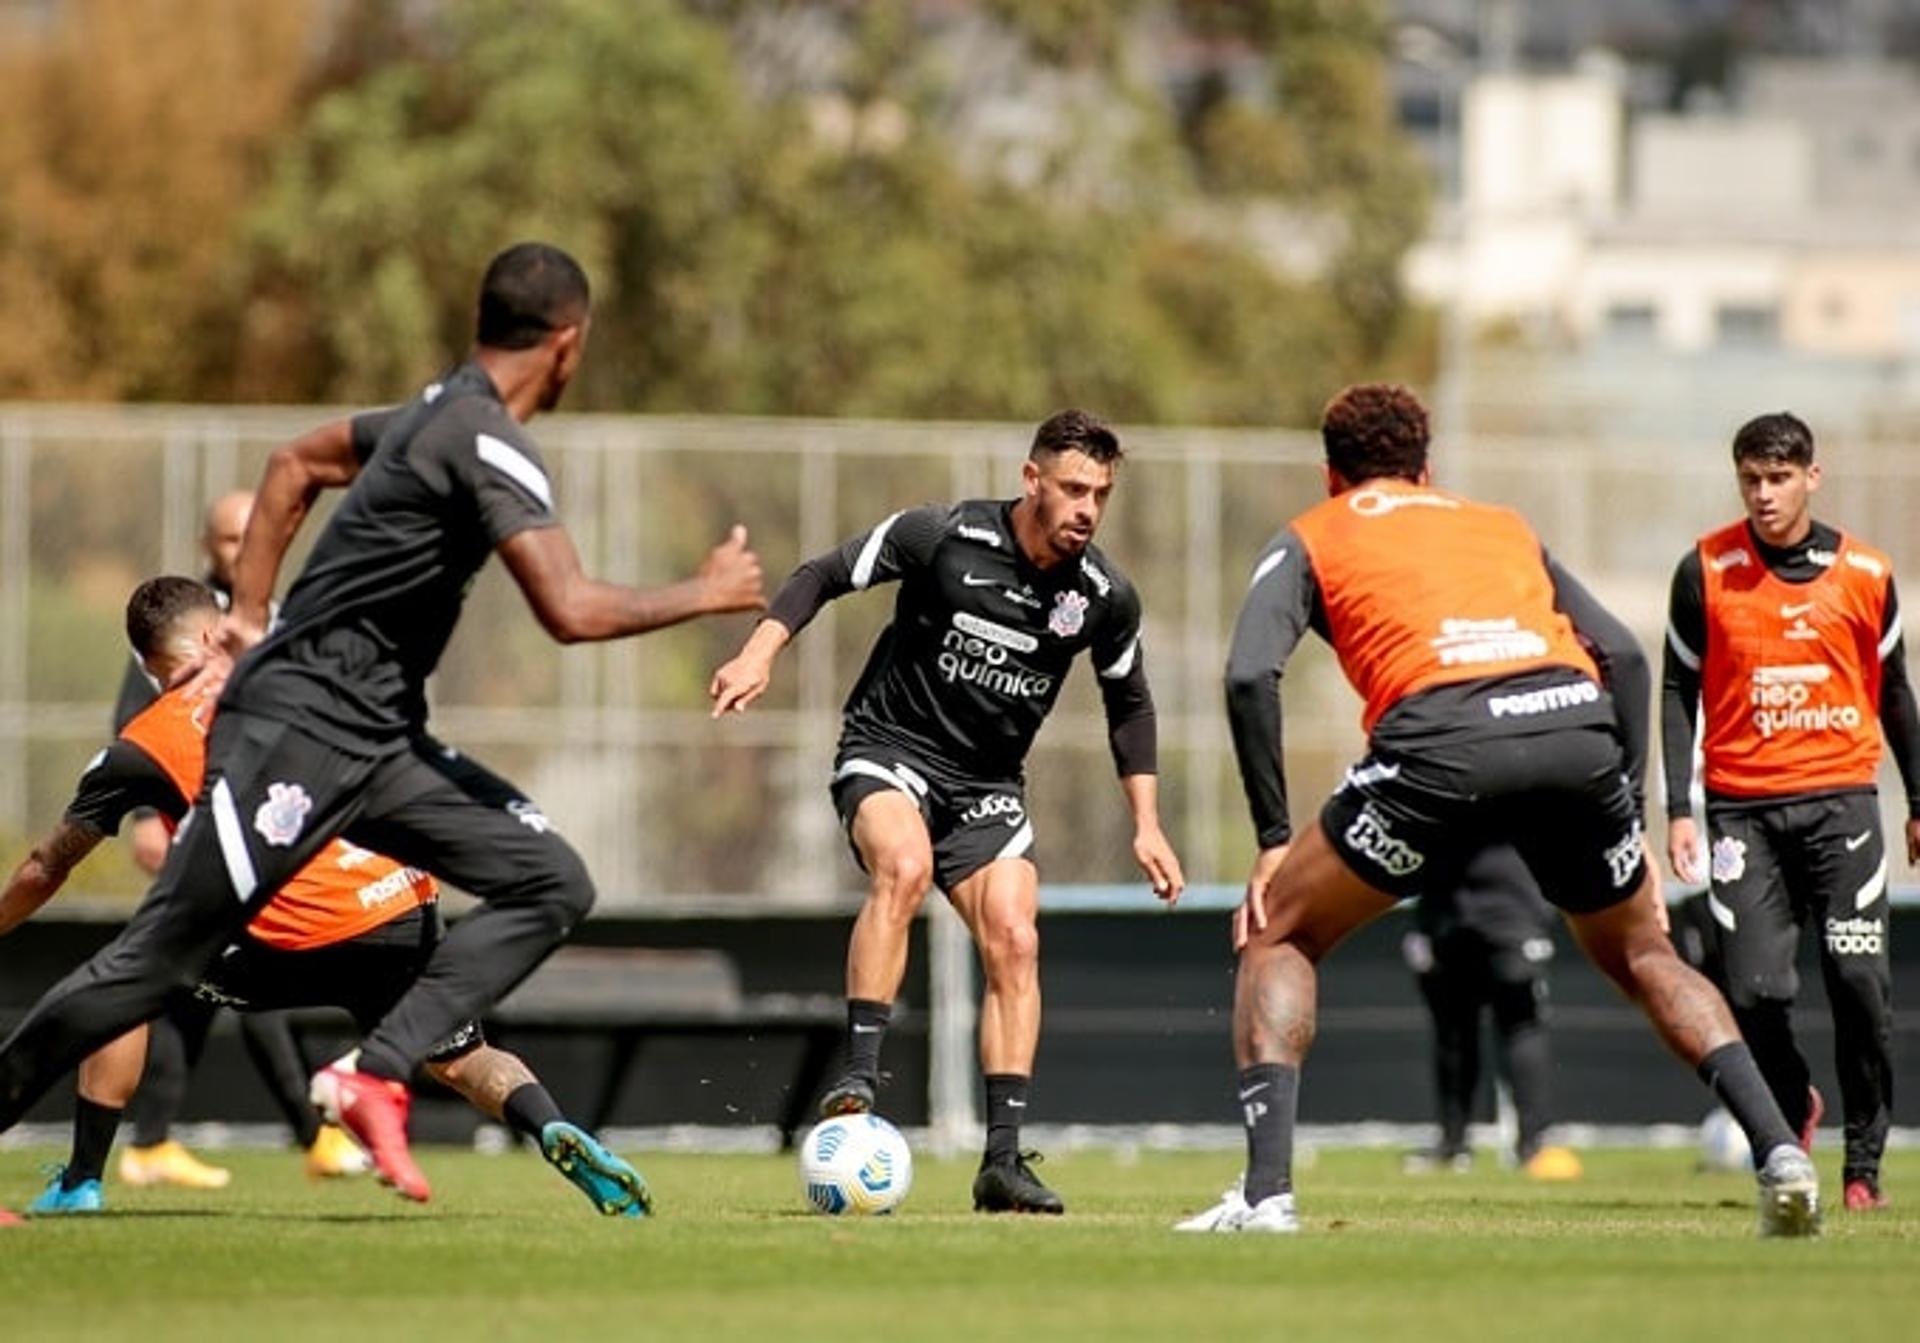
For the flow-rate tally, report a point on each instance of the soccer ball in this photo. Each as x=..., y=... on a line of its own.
x=855, y=1164
x=1723, y=1145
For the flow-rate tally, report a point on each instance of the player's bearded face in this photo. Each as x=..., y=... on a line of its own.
x=1069, y=495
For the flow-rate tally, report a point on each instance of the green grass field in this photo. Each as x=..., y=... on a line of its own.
x=1642, y=1248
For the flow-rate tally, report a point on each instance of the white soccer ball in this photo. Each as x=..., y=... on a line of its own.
x=1723, y=1144
x=855, y=1164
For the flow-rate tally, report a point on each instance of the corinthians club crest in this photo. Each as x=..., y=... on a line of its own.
x=1068, y=615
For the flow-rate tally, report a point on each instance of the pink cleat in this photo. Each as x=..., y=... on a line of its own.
x=373, y=1111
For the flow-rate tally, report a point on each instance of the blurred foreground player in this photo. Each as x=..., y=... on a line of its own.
x=1785, y=632
x=997, y=598
x=1486, y=722
x=1484, y=943
x=321, y=732
x=177, y=1038
x=350, y=930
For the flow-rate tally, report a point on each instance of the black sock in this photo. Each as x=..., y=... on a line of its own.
x=1268, y=1095
x=1736, y=1080
x=866, y=1028
x=93, y=1128
x=528, y=1109
x=1006, y=1107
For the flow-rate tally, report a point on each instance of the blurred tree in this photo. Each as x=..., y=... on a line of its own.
x=131, y=140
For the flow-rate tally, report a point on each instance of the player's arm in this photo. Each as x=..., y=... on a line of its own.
x=1280, y=607
x=1623, y=666
x=325, y=458
x=883, y=553
x=574, y=608
x=1680, y=664
x=1133, y=735
x=44, y=871
x=1899, y=717
x=118, y=780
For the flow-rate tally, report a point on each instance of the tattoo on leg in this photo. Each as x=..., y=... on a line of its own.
x=1283, y=1005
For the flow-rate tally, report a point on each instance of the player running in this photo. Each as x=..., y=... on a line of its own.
x=350, y=930
x=1486, y=722
x=996, y=600
x=176, y=1039
x=1787, y=632
x=321, y=732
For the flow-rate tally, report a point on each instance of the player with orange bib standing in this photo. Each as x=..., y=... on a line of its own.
x=1503, y=704
x=1786, y=633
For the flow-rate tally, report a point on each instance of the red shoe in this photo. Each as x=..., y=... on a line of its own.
x=373, y=1111
x=1816, y=1111
x=1863, y=1195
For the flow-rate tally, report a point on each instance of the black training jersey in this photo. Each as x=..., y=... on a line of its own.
x=981, y=639
x=444, y=479
x=120, y=779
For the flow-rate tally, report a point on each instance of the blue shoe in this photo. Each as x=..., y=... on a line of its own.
x=58, y=1201
x=609, y=1183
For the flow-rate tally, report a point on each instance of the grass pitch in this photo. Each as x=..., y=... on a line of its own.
x=1642, y=1248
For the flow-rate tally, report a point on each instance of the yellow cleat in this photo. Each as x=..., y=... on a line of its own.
x=1554, y=1163
x=334, y=1156
x=170, y=1163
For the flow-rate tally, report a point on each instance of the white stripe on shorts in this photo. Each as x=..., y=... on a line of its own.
x=233, y=843
x=1017, y=846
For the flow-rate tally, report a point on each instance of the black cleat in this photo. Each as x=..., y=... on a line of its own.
x=1011, y=1186
x=851, y=1095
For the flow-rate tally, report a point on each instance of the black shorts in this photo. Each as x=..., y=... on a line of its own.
x=1776, y=866
x=1405, y=822
x=363, y=976
x=972, y=822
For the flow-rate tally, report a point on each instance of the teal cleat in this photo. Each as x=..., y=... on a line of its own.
x=56, y=1200
x=610, y=1184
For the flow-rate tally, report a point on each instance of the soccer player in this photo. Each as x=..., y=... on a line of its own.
x=996, y=600
x=176, y=1039
x=1485, y=942
x=1786, y=632
x=1487, y=722
x=321, y=732
x=352, y=929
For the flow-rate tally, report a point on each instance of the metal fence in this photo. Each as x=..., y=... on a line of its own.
x=614, y=740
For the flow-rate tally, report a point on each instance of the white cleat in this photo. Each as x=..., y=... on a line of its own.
x=1789, y=1193
x=1272, y=1216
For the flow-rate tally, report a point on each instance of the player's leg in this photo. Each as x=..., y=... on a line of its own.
x=1517, y=990
x=890, y=838
x=252, y=828
x=1000, y=904
x=1453, y=1010
x=434, y=809
x=1750, y=897
x=501, y=1086
x=176, y=1039
x=283, y=1068
x=107, y=1081
x=1845, y=861
x=1577, y=825
x=1313, y=902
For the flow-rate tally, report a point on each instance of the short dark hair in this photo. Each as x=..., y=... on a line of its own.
x=530, y=289
x=1075, y=431
x=1375, y=429
x=158, y=604
x=1782, y=437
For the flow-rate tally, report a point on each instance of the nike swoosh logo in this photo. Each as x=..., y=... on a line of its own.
x=1254, y=1090
x=866, y=1030
x=975, y=581
x=1858, y=840
x=1016, y=1105
x=1793, y=611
